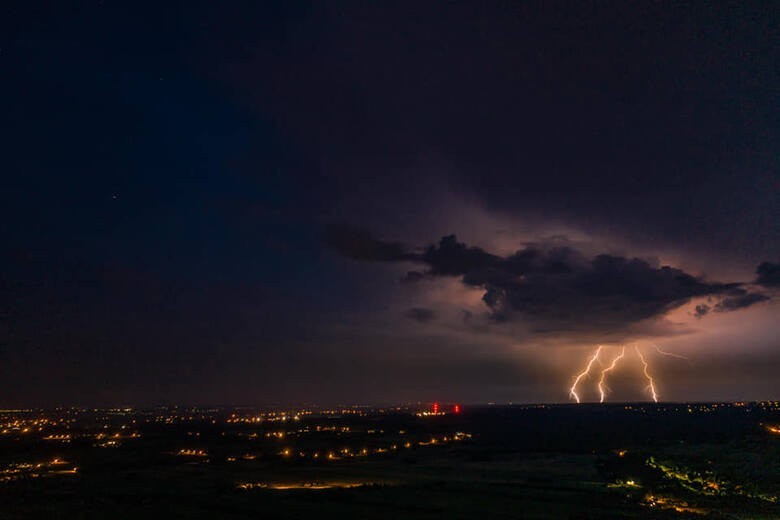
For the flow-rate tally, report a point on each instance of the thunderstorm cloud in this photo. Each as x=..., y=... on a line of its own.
x=551, y=287
x=701, y=310
x=768, y=274
x=740, y=301
x=420, y=314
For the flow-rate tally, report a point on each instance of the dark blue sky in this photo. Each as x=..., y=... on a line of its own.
x=171, y=171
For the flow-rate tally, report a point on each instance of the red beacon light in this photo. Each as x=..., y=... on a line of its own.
x=456, y=408
x=435, y=407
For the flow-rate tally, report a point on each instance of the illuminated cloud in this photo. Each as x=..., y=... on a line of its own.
x=555, y=288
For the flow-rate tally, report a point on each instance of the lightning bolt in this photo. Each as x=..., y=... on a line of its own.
x=651, y=386
x=617, y=358
x=573, y=389
x=670, y=354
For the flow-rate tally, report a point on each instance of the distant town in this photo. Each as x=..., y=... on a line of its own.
x=637, y=458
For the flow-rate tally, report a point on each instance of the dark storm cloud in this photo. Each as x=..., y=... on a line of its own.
x=740, y=302
x=454, y=258
x=358, y=244
x=420, y=314
x=555, y=288
x=413, y=276
x=768, y=274
x=701, y=310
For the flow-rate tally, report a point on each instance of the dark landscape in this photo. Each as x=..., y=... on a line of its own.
x=637, y=460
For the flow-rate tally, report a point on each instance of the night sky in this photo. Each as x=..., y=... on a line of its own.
x=326, y=202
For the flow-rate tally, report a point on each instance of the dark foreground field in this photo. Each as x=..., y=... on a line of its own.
x=614, y=461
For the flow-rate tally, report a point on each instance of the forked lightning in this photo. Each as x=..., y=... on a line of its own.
x=602, y=386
